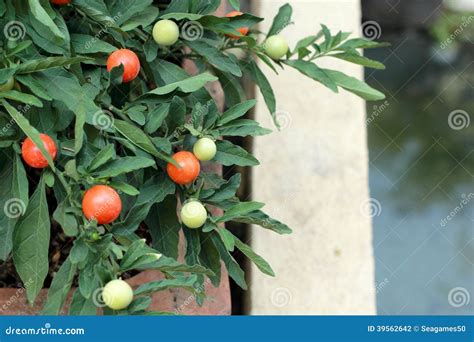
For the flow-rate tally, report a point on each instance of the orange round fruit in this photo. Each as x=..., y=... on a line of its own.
x=129, y=60
x=61, y=2
x=188, y=169
x=32, y=154
x=243, y=30
x=102, y=204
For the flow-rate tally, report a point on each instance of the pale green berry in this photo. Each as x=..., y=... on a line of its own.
x=193, y=214
x=165, y=32
x=276, y=47
x=117, y=294
x=205, y=149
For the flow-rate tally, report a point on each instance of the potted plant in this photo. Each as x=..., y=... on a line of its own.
x=106, y=143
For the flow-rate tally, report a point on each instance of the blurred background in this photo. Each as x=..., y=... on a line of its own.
x=421, y=151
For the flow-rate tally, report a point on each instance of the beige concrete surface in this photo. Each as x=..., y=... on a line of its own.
x=314, y=176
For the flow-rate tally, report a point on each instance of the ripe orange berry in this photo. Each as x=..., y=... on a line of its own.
x=243, y=30
x=32, y=154
x=188, y=169
x=61, y=2
x=101, y=203
x=130, y=61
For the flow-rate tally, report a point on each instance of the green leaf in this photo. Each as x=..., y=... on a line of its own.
x=188, y=85
x=239, y=209
x=233, y=90
x=265, y=88
x=257, y=259
x=193, y=246
x=36, y=65
x=242, y=128
x=84, y=44
x=313, y=71
x=13, y=198
x=210, y=258
x=235, y=4
x=165, y=284
x=260, y=218
x=59, y=289
x=29, y=130
x=139, y=304
x=66, y=219
x=31, y=243
x=136, y=250
x=360, y=60
x=122, y=166
x=181, y=16
x=88, y=280
x=360, y=43
x=81, y=306
x=156, y=117
x=79, y=251
x=235, y=272
x=229, y=154
x=281, y=20
x=22, y=97
x=35, y=87
x=139, y=138
x=166, y=264
x=225, y=191
x=164, y=226
x=236, y=111
x=43, y=17
x=125, y=188
x=104, y=155
x=153, y=191
x=215, y=57
x=143, y=19
x=355, y=86
x=227, y=238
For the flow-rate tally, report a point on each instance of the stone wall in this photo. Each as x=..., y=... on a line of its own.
x=314, y=177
